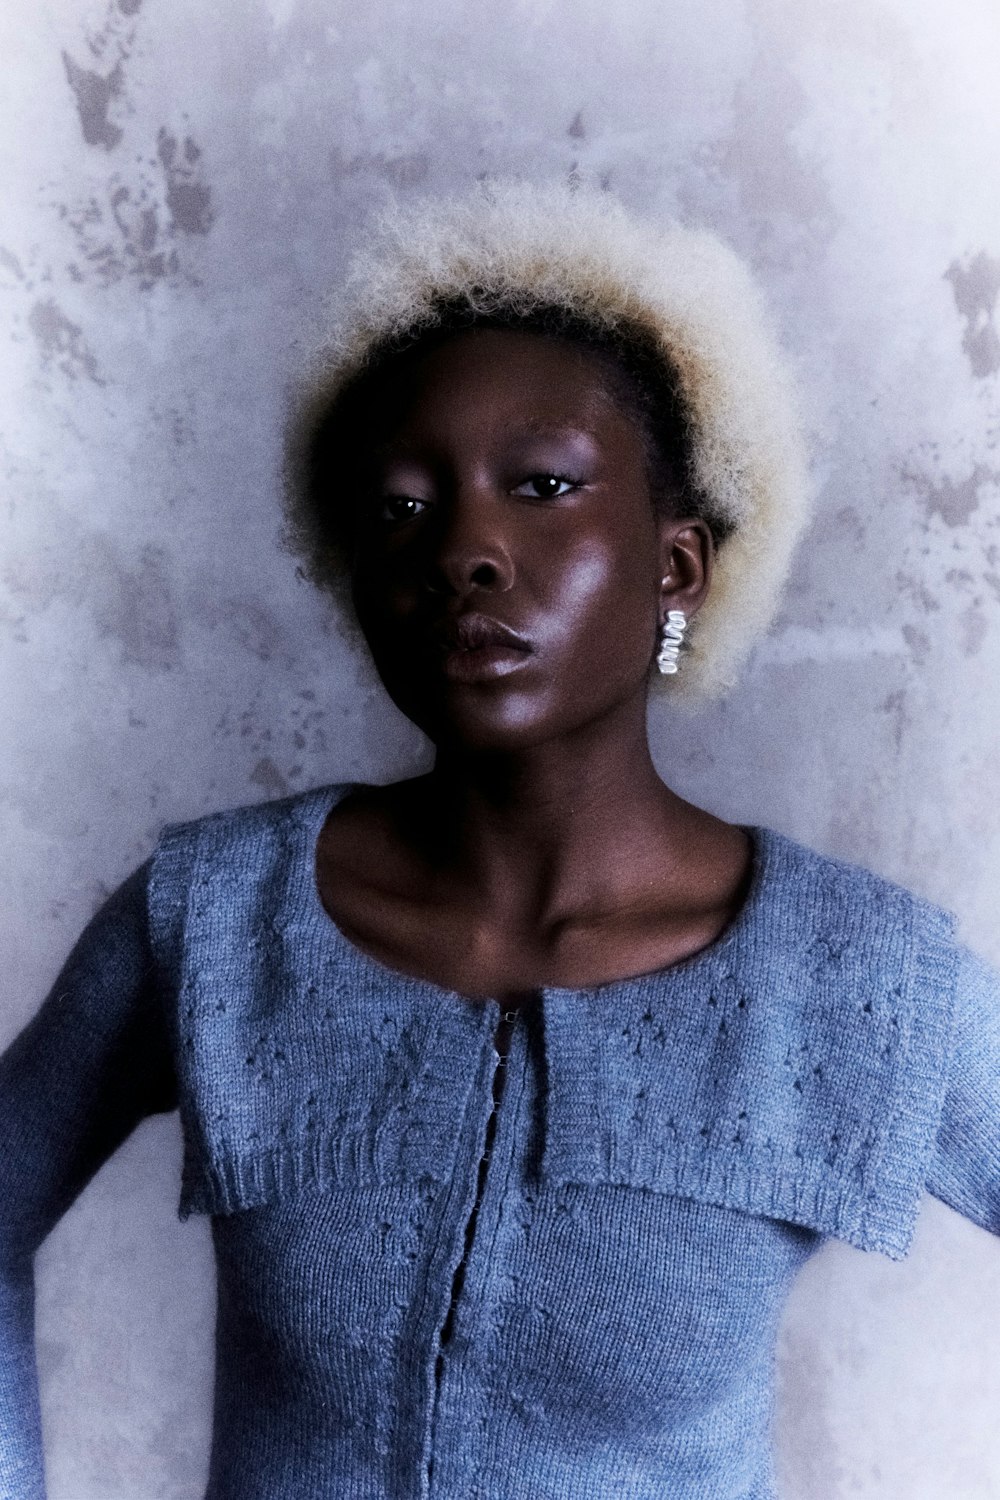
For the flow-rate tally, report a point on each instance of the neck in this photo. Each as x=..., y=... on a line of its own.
x=577, y=821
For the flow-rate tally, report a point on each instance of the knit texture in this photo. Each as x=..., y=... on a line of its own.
x=666, y=1153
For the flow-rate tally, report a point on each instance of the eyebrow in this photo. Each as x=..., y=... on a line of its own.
x=537, y=425
x=533, y=427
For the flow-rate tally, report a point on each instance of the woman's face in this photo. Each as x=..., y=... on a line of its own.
x=503, y=490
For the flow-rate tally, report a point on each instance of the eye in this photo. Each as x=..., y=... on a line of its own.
x=399, y=508
x=546, y=486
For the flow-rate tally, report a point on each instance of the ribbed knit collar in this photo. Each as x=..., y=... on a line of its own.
x=794, y=1068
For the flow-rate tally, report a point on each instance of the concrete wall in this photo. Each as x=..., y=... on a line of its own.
x=180, y=181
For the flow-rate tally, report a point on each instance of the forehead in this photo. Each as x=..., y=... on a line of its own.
x=489, y=380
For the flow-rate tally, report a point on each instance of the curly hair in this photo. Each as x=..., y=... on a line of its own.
x=675, y=319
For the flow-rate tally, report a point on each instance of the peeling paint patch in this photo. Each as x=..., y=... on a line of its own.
x=850, y=522
x=122, y=237
x=308, y=733
x=919, y=643
x=189, y=200
x=11, y=264
x=254, y=627
x=915, y=589
x=266, y=775
x=782, y=191
x=975, y=287
x=403, y=171
x=975, y=628
x=130, y=602
x=992, y=581
x=802, y=643
x=132, y=231
x=95, y=93
x=61, y=342
x=894, y=707
x=955, y=501
x=129, y=228
x=137, y=611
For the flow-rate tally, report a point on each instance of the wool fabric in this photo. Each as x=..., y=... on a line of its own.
x=567, y=1287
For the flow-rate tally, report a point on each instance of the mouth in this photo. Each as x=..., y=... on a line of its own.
x=474, y=647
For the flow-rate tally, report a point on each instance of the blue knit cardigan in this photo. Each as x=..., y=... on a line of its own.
x=665, y=1154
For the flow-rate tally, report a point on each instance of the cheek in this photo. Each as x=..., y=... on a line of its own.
x=603, y=609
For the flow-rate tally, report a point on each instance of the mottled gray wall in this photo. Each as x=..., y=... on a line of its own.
x=180, y=181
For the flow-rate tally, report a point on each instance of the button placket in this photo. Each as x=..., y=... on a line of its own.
x=480, y=1239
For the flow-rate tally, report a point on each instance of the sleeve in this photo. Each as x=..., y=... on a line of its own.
x=965, y=1165
x=91, y=1064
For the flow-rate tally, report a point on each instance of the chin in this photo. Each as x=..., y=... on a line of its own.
x=509, y=724
x=481, y=718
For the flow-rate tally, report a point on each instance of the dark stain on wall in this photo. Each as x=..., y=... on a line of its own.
x=266, y=775
x=95, y=93
x=136, y=609
x=403, y=171
x=955, y=501
x=254, y=627
x=11, y=264
x=98, y=88
x=188, y=199
x=129, y=600
x=129, y=228
x=780, y=188
x=919, y=643
x=249, y=622
x=894, y=707
x=61, y=342
x=974, y=629
x=119, y=237
x=913, y=587
x=133, y=229
x=975, y=287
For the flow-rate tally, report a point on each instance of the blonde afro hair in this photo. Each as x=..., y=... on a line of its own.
x=511, y=248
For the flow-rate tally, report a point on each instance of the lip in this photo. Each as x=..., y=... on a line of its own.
x=473, y=631
x=474, y=647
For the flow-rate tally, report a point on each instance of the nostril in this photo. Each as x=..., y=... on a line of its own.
x=459, y=565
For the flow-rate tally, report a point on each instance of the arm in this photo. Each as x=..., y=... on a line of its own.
x=965, y=1168
x=77, y=1080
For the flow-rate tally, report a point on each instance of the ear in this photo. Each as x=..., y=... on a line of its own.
x=687, y=554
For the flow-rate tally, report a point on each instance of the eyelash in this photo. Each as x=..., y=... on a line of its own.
x=543, y=474
x=388, y=500
x=574, y=484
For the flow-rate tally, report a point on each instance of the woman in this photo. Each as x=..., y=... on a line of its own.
x=517, y=1092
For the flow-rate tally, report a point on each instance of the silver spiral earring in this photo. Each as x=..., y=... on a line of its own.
x=671, y=641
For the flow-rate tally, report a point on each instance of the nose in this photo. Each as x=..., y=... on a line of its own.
x=468, y=547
